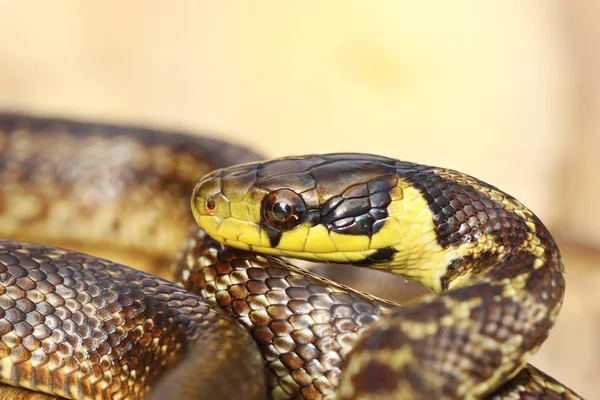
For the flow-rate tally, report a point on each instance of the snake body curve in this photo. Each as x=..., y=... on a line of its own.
x=119, y=330
x=80, y=327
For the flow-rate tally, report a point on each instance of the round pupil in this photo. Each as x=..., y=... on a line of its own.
x=281, y=210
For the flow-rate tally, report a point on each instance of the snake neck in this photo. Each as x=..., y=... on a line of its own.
x=453, y=228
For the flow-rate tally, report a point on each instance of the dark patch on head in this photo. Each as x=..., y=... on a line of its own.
x=361, y=209
x=342, y=172
x=346, y=192
x=380, y=255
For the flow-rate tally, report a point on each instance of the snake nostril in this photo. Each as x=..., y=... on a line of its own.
x=211, y=204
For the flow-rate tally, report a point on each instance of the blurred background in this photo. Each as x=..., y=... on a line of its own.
x=508, y=91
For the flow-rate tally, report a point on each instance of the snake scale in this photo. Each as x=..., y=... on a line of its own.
x=239, y=321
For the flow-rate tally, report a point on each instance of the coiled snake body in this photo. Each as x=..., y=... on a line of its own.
x=76, y=326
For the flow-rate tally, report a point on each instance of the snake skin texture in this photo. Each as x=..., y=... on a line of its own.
x=80, y=327
x=117, y=192
x=496, y=268
x=304, y=324
x=77, y=326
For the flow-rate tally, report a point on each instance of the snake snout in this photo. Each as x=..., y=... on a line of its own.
x=207, y=199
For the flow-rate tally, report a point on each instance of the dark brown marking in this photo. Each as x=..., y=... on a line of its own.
x=462, y=212
x=361, y=209
x=375, y=377
x=468, y=265
x=379, y=256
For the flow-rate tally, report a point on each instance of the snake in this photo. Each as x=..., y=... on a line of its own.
x=212, y=306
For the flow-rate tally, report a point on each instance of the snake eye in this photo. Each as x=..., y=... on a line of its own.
x=283, y=209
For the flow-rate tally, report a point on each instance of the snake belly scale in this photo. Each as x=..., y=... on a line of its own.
x=77, y=326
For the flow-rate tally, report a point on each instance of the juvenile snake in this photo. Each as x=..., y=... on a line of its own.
x=76, y=326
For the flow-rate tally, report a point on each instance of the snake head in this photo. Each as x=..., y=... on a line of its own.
x=335, y=207
x=350, y=208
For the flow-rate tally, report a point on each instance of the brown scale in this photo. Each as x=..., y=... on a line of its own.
x=81, y=327
x=303, y=324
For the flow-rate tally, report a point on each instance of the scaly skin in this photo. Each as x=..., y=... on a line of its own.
x=495, y=266
x=125, y=192
x=80, y=327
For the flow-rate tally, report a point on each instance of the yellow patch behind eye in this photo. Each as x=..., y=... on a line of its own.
x=390, y=234
x=318, y=240
x=350, y=243
x=410, y=230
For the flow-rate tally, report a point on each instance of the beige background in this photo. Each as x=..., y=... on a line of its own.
x=504, y=90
